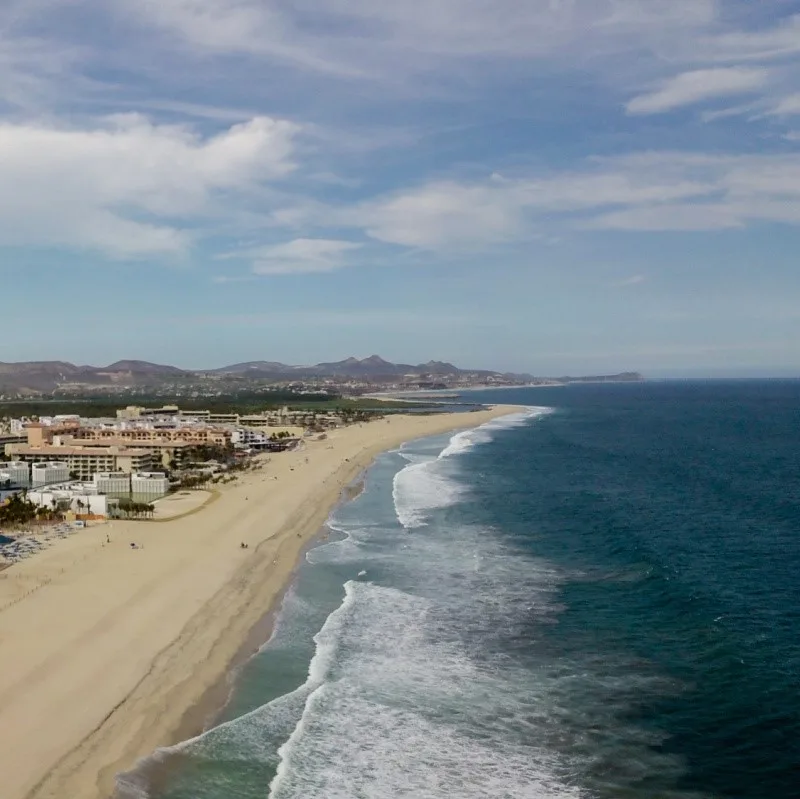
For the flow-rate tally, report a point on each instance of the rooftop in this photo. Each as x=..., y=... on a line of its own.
x=66, y=451
x=105, y=443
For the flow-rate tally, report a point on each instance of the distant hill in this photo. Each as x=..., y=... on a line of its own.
x=47, y=376
x=253, y=368
x=143, y=368
x=34, y=376
x=372, y=367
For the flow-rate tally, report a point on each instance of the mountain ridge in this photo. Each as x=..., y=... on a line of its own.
x=50, y=375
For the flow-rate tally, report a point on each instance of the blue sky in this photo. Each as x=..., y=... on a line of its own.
x=552, y=186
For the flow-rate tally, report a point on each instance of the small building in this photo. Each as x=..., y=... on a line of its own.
x=48, y=472
x=137, y=412
x=149, y=485
x=114, y=483
x=9, y=440
x=17, y=473
x=223, y=418
x=204, y=415
x=79, y=498
x=245, y=438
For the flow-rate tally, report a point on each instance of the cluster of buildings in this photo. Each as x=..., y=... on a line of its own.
x=82, y=464
x=97, y=496
x=50, y=484
x=141, y=440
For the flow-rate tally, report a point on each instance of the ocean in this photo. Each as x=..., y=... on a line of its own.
x=597, y=598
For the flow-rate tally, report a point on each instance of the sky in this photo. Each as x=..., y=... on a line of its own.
x=543, y=186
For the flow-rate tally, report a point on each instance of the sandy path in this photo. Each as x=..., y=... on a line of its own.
x=103, y=648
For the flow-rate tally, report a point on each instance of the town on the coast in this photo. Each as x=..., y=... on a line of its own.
x=71, y=456
x=61, y=472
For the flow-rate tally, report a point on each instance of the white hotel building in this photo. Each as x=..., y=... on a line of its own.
x=43, y=474
x=17, y=473
x=115, y=483
x=150, y=484
x=142, y=486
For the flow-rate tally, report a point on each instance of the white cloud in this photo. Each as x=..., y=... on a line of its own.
x=747, y=109
x=684, y=217
x=251, y=27
x=668, y=191
x=633, y=280
x=126, y=187
x=441, y=215
x=741, y=189
x=788, y=106
x=301, y=256
x=461, y=216
x=764, y=44
x=694, y=87
x=371, y=38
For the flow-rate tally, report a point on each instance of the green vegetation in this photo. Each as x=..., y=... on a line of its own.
x=129, y=509
x=244, y=403
x=367, y=405
x=212, y=452
x=19, y=510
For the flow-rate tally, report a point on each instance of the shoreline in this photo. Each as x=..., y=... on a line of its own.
x=209, y=708
x=119, y=645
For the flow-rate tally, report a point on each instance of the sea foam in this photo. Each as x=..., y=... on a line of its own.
x=399, y=712
x=426, y=484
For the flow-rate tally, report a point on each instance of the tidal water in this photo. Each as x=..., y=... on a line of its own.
x=598, y=598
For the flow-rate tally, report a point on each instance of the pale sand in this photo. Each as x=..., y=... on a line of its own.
x=104, y=648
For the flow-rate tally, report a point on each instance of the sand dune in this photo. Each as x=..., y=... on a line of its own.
x=103, y=648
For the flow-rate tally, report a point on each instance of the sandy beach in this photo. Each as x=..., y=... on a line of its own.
x=104, y=648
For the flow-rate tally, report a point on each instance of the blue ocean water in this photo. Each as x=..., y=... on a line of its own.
x=597, y=598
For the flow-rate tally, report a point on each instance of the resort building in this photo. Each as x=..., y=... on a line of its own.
x=8, y=439
x=17, y=473
x=117, y=483
x=150, y=485
x=162, y=453
x=40, y=434
x=202, y=415
x=190, y=434
x=244, y=438
x=140, y=486
x=222, y=418
x=77, y=497
x=48, y=472
x=137, y=412
x=87, y=461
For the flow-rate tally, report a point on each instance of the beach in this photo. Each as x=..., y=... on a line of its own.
x=104, y=648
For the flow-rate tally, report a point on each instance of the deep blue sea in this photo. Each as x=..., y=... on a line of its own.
x=599, y=598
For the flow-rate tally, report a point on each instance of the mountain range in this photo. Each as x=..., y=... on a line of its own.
x=374, y=366
x=47, y=376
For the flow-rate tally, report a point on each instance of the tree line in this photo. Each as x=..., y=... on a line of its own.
x=19, y=510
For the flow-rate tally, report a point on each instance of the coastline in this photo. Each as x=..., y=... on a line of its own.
x=111, y=648
x=209, y=709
